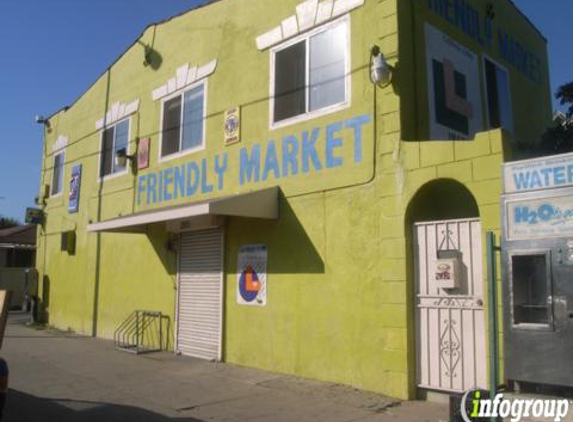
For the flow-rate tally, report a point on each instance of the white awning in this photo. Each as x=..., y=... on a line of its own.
x=259, y=204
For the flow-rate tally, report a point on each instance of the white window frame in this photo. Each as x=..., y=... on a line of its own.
x=61, y=152
x=101, y=178
x=308, y=115
x=181, y=93
x=484, y=78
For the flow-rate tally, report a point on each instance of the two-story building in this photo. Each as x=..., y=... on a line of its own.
x=254, y=172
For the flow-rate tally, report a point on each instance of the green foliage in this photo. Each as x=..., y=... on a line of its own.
x=559, y=138
x=7, y=222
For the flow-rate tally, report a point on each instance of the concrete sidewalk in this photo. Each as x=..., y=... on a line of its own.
x=62, y=377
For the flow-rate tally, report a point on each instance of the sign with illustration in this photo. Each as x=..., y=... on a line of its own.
x=252, y=275
x=143, y=154
x=453, y=88
x=538, y=174
x=34, y=216
x=75, y=185
x=232, y=126
x=540, y=218
x=478, y=24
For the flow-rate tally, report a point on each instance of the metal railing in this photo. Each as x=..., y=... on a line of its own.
x=141, y=332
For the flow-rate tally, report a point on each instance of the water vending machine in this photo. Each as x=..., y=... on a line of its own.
x=537, y=262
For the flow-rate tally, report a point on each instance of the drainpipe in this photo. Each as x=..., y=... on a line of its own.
x=98, y=219
x=492, y=250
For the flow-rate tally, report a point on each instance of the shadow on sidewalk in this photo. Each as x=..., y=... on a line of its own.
x=22, y=407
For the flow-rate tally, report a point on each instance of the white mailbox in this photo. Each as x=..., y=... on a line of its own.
x=447, y=273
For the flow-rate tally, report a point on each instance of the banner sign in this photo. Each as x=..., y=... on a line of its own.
x=75, y=184
x=539, y=173
x=252, y=275
x=540, y=218
x=454, y=88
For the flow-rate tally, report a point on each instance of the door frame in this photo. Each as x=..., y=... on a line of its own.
x=416, y=311
x=222, y=295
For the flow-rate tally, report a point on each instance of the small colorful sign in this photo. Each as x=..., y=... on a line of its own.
x=75, y=184
x=538, y=174
x=540, y=218
x=34, y=216
x=252, y=275
x=143, y=154
x=232, y=126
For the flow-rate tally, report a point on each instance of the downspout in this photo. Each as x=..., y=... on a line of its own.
x=98, y=219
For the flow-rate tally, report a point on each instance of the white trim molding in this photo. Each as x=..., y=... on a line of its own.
x=60, y=144
x=184, y=76
x=117, y=112
x=309, y=15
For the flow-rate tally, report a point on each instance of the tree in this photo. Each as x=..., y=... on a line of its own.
x=558, y=139
x=565, y=96
x=7, y=222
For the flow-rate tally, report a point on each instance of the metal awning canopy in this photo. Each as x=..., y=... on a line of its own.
x=259, y=204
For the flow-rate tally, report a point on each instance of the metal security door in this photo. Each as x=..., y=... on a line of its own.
x=199, y=305
x=451, y=348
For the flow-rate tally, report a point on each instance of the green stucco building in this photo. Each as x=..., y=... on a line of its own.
x=240, y=170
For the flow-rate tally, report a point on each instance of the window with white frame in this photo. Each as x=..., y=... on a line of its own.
x=58, y=173
x=310, y=75
x=114, y=139
x=183, y=122
x=500, y=114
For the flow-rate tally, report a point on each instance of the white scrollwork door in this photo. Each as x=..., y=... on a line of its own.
x=450, y=321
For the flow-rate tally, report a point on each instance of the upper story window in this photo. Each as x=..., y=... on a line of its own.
x=500, y=114
x=183, y=120
x=114, y=139
x=58, y=173
x=311, y=74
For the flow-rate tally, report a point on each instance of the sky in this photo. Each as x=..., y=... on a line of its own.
x=54, y=50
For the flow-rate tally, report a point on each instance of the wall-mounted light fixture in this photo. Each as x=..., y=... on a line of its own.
x=380, y=69
x=121, y=157
x=41, y=120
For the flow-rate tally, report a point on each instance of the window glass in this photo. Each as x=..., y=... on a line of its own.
x=311, y=74
x=290, y=93
x=498, y=97
x=531, y=303
x=114, y=139
x=58, y=174
x=107, y=152
x=327, y=68
x=121, y=135
x=193, y=118
x=171, y=126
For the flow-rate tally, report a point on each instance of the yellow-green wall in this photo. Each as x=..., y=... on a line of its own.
x=340, y=282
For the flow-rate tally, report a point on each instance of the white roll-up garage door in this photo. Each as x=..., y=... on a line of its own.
x=199, y=307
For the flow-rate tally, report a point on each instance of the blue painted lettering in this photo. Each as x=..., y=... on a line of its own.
x=192, y=178
x=220, y=169
x=356, y=124
x=205, y=186
x=179, y=182
x=151, y=185
x=250, y=167
x=290, y=154
x=271, y=161
x=167, y=184
x=333, y=141
x=309, y=151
